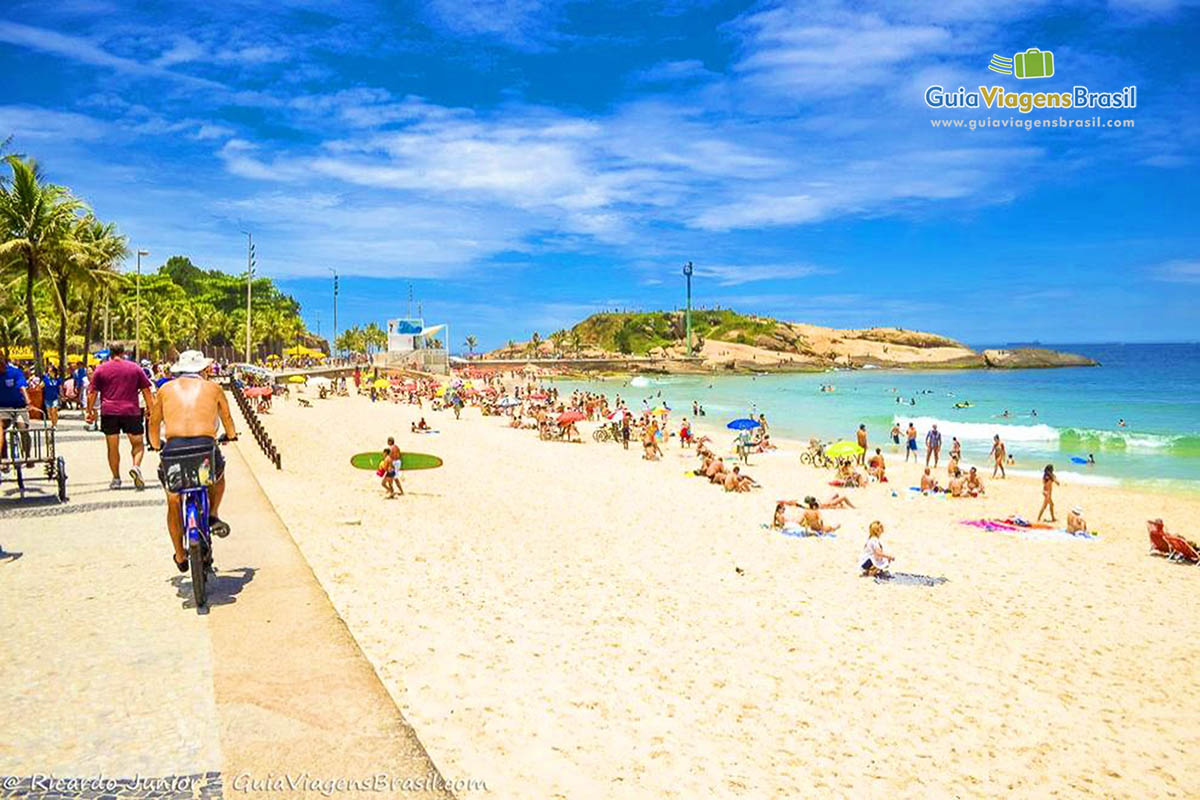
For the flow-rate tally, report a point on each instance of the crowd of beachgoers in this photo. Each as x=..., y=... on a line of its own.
x=646, y=426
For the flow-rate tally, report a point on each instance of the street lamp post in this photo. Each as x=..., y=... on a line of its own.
x=333, y=338
x=137, y=325
x=249, y=281
x=687, y=271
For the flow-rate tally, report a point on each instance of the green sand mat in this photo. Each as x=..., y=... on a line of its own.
x=373, y=459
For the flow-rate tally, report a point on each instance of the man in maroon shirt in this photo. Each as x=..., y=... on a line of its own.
x=119, y=382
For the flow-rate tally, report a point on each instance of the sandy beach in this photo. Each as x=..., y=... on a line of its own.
x=568, y=620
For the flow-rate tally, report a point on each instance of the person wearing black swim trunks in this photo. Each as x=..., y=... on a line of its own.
x=186, y=410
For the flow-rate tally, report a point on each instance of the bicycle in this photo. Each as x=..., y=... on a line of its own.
x=815, y=456
x=189, y=473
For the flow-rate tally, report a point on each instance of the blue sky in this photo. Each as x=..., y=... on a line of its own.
x=523, y=163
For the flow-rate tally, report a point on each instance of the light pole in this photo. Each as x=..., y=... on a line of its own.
x=333, y=338
x=137, y=325
x=249, y=280
x=687, y=271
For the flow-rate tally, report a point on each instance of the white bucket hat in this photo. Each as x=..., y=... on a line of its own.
x=191, y=361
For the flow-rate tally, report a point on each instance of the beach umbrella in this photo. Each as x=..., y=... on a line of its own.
x=743, y=424
x=567, y=417
x=258, y=391
x=843, y=449
x=321, y=380
x=382, y=383
x=441, y=392
x=296, y=379
x=661, y=410
x=508, y=402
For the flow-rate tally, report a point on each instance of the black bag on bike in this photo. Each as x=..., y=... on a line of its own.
x=188, y=468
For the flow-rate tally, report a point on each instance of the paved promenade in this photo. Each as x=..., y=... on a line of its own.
x=109, y=673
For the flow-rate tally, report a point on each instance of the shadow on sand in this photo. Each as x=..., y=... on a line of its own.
x=223, y=588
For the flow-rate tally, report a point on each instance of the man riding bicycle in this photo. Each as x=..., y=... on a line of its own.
x=188, y=407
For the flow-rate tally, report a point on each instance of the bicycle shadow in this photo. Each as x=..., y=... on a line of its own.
x=223, y=588
x=6, y=555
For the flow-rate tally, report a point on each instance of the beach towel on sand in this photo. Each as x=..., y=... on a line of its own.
x=800, y=533
x=908, y=579
x=1044, y=532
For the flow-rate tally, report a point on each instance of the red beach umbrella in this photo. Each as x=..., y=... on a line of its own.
x=567, y=417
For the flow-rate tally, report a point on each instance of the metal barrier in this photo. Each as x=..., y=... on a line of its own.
x=256, y=426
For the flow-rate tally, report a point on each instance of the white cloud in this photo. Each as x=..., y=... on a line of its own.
x=1178, y=271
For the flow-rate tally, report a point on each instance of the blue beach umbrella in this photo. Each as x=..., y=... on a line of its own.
x=743, y=424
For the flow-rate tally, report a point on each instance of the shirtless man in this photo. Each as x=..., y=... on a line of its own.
x=188, y=408
x=974, y=484
x=998, y=454
x=862, y=442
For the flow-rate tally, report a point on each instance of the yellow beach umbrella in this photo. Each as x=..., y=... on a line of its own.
x=297, y=379
x=382, y=383
x=661, y=410
x=440, y=392
x=843, y=449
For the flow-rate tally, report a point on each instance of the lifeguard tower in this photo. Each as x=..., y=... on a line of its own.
x=413, y=345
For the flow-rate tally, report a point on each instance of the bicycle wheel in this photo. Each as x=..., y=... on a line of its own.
x=599, y=434
x=199, y=568
x=60, y=476
x=806, y=459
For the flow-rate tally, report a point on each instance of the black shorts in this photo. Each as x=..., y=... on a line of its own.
x=113, y=424
x=189, y=453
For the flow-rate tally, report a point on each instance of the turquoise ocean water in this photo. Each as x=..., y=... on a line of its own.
x=1155, y=388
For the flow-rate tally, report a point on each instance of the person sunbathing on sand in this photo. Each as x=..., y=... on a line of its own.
x=958, y=484
x=716, y=472
x=1075, y=521
x=874, y=561
x=837, y=501
x=974, y=484
x=812, y=518
x=650, y=449
x=735, y=482
x=928, y=483
x=877, y=467
x=847, y=475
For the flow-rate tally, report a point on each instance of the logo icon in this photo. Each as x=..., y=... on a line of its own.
x=1033, y=63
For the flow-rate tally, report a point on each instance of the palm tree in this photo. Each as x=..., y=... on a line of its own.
x=374, y=337
x=576, y=341
x=470, y=343
x=103, y=249
x=34, y=218
x=534, y=341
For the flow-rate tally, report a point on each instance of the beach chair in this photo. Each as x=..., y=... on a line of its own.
x=1182, y=549
x=1159, y=545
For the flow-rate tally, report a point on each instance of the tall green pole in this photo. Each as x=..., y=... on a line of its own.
x=687, y=271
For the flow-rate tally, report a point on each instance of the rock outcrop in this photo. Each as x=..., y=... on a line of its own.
x=1034, y=358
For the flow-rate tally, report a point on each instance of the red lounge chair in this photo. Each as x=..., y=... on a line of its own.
x=1183, y=549
x=1159, y=545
